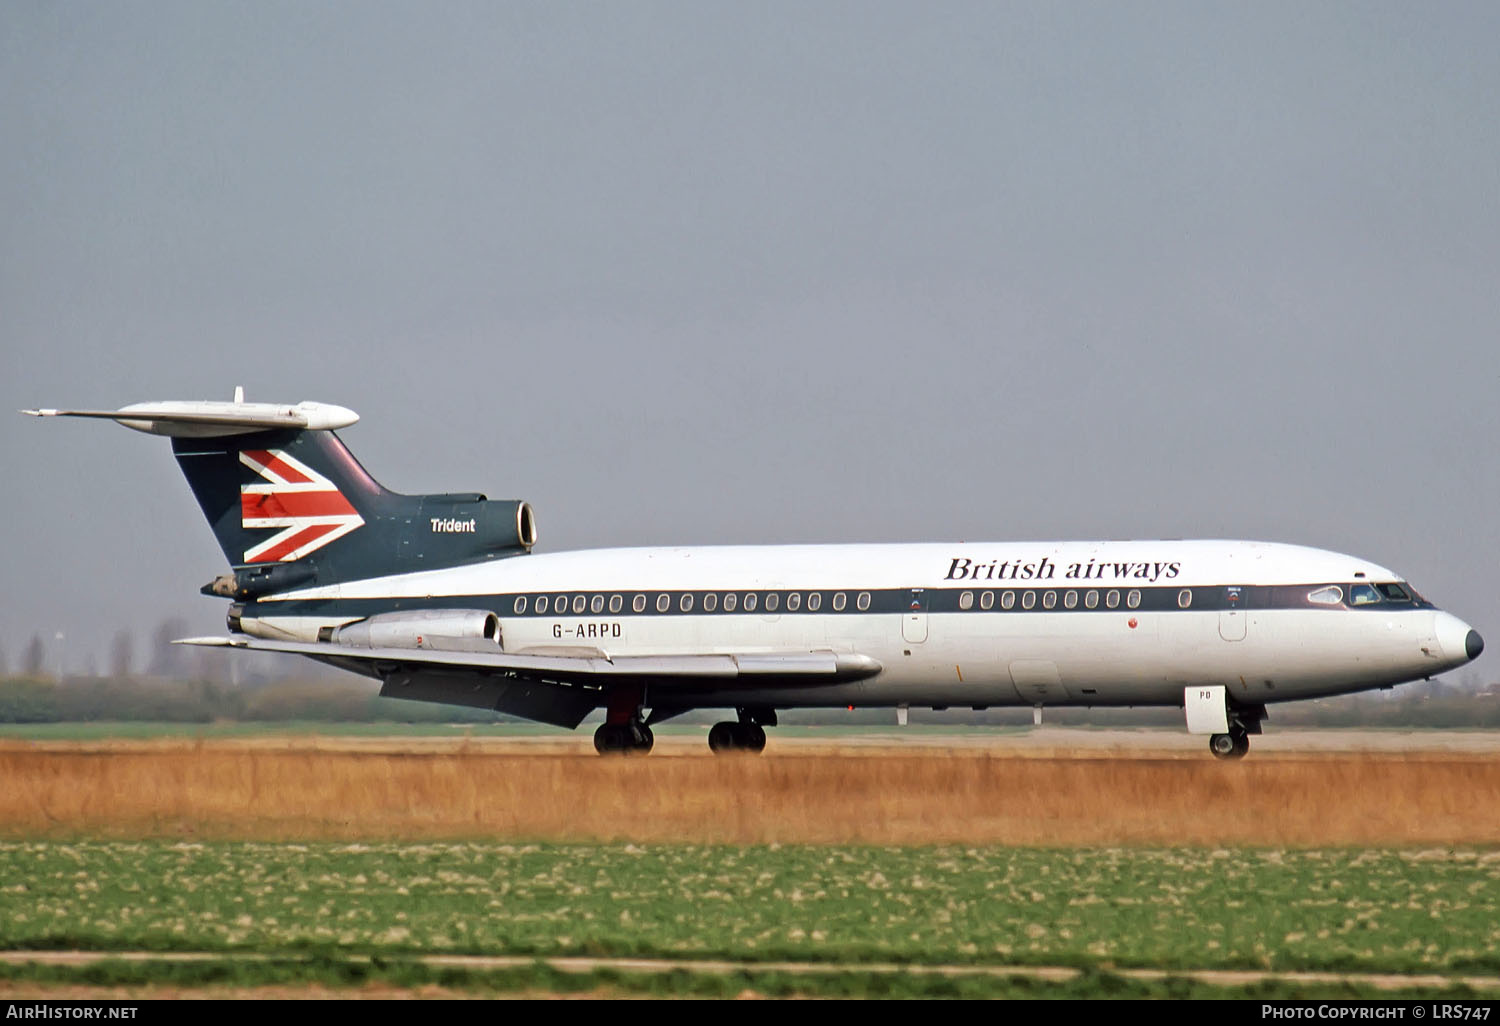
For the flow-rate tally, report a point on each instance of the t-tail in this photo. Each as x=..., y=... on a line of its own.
x=291, y=507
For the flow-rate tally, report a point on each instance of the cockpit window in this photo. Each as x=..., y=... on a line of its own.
x=1363, y=595
x=1394, y=593
x=1329, y=596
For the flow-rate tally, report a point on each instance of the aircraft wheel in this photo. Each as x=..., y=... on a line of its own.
x=616, y=738
x=604, y=739
x=607, y=739
x=752, y=737
x=721, y=737
x=1229, y=746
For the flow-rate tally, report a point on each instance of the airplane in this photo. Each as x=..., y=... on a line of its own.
x=441, y=598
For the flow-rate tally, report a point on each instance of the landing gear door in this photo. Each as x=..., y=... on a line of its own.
x=1206, y=711
x=1234, y=617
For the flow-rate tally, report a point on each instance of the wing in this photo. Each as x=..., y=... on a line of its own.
x=554, y=687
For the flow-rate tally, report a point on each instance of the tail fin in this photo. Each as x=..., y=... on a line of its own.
x=292, y=507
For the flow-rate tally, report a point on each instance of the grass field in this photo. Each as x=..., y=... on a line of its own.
x=284, y=863
x=1396, y=911
x=1100, y=910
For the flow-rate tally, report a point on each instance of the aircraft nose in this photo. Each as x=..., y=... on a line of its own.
x=1458, y=640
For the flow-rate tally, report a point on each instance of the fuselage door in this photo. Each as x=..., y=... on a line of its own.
x=914, y=619
x=1234, y=617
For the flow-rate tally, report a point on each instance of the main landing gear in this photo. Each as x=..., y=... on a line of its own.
x=745, y=735
x=623, y=731
x=620, y=738
x=736, y=737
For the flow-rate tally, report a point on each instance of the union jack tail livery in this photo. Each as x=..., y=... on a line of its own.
x=292, y=507
x=296, y=508
x=304, y=508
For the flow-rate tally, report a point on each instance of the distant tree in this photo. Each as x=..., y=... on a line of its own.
x=167, y=659
x=4, y=666
x=121, y=655
x=35, y=658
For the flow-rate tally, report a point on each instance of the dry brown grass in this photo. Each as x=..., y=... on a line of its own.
x=308, y=791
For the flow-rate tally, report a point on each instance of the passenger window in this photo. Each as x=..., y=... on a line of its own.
x=638, y=604
x=730, y=601
x=1028, y=599
x=1008, y=600
x=520, y=606
x=1091, y=600
x=596, y=604
x=987, y=600
x=560, y=604
x=814, y=602
x=710, y=602
x=686, y=602
x=1070, y=600
x=1363, y=595
x=1133, y=599
x=793, y=602
x=541, y=603
x=1049, y=599
x=663, y=603
x=863, y=602
x=1184, y=598
x=616, y=603
x=749, y=601
x=966, y=600
x=578, y=603
x=1112, y=600
x=773, y=600
x=1329, y=596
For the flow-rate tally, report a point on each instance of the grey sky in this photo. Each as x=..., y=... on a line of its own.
x=761, y=272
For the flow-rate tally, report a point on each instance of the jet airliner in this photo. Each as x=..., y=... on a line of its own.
x=441, y=599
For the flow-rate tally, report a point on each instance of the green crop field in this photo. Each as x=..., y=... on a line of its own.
x=1429, y=911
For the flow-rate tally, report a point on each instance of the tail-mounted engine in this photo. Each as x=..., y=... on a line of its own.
x=466, y=522
x=452, y=630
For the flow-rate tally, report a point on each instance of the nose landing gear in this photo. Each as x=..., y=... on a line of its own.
x=1232, y=745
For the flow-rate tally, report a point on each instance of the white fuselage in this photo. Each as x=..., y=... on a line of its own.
x=975, y=624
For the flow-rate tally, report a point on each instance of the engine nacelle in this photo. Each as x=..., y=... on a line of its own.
x=474, y=523
x=444, y=629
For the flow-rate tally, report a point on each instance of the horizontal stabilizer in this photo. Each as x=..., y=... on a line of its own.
x=212, y=419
